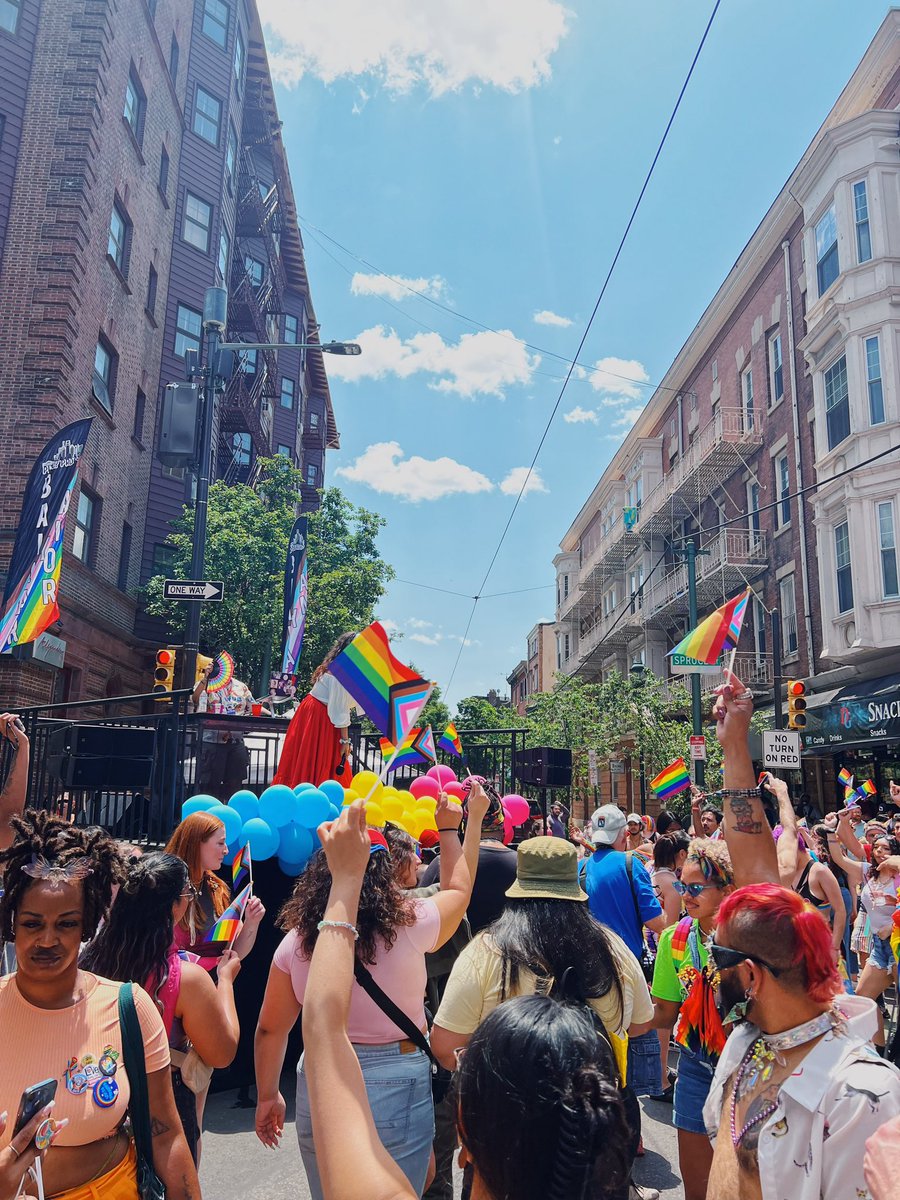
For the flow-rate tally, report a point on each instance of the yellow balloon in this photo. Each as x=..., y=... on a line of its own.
x=426, y=819
x=366, y=782
x=409, y=801
x=374, y=814
x=427, y=802
x=417, y=825
x=392, y=808
x=349, y=796
x=390, y=790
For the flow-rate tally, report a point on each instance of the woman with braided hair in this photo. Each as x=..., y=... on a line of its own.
x=62, y=1022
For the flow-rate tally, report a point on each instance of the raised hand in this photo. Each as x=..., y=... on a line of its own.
x=346, y=843
x=732, y=711
x=449, y=815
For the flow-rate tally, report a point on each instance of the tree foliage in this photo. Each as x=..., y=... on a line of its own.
x=246, y=545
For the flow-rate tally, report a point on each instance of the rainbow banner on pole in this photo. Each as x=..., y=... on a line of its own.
x=403, y=755
x=227, y=927
x=295, y=598
x=449, y=741
x=389, y=693
x=671, y=780
x=699, y=651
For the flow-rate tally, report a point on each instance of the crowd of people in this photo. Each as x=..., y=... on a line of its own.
x=457, y=994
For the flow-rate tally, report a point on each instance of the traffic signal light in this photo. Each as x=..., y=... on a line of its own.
x=796, y=698
x=164, y=675
x=202, y=663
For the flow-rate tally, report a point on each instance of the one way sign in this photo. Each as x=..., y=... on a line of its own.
x=194, y=589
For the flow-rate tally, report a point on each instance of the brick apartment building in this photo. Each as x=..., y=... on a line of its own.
x=537, y=672
x=141, y=162
x=790, y=377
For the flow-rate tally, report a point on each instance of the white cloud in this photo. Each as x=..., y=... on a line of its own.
x=478, y=364
x=417, y=623
x=403, y=44
x=437, y=638
x=557, y=139
x=398, y=287
x=512, y=484
x=383, y=468
x=619, y=377
x=390, y=627
x=628, y=416
x=580, y=415
x=424, y=639
x=546, y=317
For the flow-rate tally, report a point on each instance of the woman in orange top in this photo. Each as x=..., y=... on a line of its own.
x=62, y=1023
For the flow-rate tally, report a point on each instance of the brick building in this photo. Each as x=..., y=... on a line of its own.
x=141, y=162
x=535, y=673
x=789, y=378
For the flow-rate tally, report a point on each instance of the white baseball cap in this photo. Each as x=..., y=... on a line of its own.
x=607, y=822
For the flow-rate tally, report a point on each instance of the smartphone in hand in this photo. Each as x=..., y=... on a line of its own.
x=33, y=1099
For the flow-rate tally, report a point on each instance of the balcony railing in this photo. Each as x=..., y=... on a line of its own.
x=731, y=558
x=753, y=670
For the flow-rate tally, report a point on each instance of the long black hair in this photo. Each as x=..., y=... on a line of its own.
x=539, y=1106
x=135, y=942
x=557, y=939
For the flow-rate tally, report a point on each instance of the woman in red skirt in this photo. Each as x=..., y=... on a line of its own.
x=317, y=740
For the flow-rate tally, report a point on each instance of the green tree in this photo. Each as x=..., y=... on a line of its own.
x=246, y=544
x=474, y=712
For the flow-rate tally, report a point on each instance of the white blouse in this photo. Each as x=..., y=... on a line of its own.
x=336, y=699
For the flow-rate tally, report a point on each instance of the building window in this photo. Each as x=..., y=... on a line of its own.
x=163, y=558
x=843, y=572
x=776, y=369
x=224, y=251
x=290, y=329
x=103, y=383
x=124, y=557
x=140, y=405
x=759, y=628
x=873, y=381
x=715, y=369
x=565, y=586
x=254, y=269
x=230, y=153
x=827, y=264
x=207, y=116
x=566, y=650
x=117, y=245
x=135, y=103
x=837, y=403
x=85, y=527
x=188, y=323
x=152, y=284
x=887, y=542
x=215, y=21
x=788, y=598
x=753, y=507
x=163, y=181
x=238, y=59
x=249, y=361
x=747, y=396
x=312, y=472
x=287, y=392
x=174, y=53
x=9, y=15
x=197, y=222
x=861, y=216
x=284, y=451
x=240, y=448
x=782, y=491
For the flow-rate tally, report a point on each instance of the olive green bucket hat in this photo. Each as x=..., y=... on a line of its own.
x=546, y=869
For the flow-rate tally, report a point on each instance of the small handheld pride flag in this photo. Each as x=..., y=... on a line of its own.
x=242, y=869
x=671, y=780
x=226, y=929
x=449, y=741
x=845, y=777
x=424, y=743
x=700, y=649
x=404, y=754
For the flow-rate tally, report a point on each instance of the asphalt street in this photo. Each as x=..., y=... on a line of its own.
x=235, y=1164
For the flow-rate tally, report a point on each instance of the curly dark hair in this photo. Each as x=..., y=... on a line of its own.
x=41, y=835
x=383, y=905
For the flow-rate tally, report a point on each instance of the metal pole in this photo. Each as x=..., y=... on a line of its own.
x=696, y=704
x=776, y=668
x=641, y=767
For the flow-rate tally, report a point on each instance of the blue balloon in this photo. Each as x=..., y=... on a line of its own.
x=261, y=838
x=278, y=805
x=198, y=804
x=232, y=851
x=292, y=869
x=335, y=812
x=304, y=787
x=246, y=803
x=231, y=819
x=295, y=844
x=314, y=807
x=333, y=790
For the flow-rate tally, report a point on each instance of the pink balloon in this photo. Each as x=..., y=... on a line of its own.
x=517, y=808
x=455, y=790
x=507, y=830
x=442, y=774
x=425, y=786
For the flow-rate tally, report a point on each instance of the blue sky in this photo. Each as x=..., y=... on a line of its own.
x=489, y=153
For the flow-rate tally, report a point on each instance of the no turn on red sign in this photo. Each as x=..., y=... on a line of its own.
x=781, y=748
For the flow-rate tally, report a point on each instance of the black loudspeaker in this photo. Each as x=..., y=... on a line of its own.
x=111, y=757
x=544, y=766
x=179, y=425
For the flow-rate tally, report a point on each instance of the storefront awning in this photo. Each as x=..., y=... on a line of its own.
x=871, y=689
x=863, y=714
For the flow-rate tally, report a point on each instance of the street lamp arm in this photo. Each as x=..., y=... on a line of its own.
x=349, y=348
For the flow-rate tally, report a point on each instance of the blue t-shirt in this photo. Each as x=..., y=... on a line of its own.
x=610, y=898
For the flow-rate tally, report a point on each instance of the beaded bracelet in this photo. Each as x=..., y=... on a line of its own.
x=339, y=925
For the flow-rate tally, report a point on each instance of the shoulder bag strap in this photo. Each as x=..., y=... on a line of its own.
x=136, y=1069
x=366, y=981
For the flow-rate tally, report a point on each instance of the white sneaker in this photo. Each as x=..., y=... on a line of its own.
x=638, y=1192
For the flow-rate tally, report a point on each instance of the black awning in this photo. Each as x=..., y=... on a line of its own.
x=885, y=685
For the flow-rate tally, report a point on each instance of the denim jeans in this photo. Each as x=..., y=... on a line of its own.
x=644, y=1063
x=695, y=1077
x=399, y=1090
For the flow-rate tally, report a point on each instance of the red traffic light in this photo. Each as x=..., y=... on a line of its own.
x=165, y=658
x=796, y=687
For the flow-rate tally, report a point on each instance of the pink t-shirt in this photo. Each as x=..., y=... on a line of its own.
x=399, y=972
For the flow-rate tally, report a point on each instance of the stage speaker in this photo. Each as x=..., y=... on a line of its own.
x=108, y=757
x=544, y=766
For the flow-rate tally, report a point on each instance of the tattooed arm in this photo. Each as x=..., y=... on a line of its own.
x=171, y=1156
x=747, y=833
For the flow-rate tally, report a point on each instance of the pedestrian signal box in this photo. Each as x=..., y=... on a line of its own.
x=796, y=698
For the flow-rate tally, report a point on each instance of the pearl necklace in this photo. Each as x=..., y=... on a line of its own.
x=759, y=1062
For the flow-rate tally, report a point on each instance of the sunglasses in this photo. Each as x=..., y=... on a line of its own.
x=692, y=889
x=724, y=958
x=190, y=892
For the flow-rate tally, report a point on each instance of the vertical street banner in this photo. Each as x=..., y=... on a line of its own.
x=31, y=598
x=295, y=597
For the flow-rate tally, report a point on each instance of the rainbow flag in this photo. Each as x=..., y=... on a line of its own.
x=242, y=869
x=390, y=694
x=226, y=929
x=867, y=788
x=424, y=743
x=34, y=607
x=449, y=741
x=403, y=755
x=671, y=780
x=845, y=777
x=699, y=651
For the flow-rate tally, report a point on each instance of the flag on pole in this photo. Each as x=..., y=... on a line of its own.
x=449, y=741
x=403, y=755
x=389, y=693
x=295, y=598
x=227, y=927
x=424, y=743
x=699, y=651
x=31, y=597
x=845, y=777
x=671, y=780
x=242, y=869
